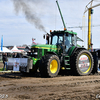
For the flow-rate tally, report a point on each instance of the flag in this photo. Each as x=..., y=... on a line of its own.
x=33, y=41
x=2, y=43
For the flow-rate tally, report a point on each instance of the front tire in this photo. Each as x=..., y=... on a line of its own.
x=49, y=66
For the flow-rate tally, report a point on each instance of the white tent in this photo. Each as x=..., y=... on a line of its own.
x=5, y=50
x=15, y=49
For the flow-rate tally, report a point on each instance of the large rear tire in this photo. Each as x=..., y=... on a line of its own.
x=49, y=66
x=82, y=63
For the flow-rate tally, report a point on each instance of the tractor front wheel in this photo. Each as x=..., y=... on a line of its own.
x=49, y=66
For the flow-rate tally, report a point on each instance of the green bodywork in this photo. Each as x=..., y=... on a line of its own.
x=71, y=50
x=71, y=32
x=45, y=49
x=48, y=49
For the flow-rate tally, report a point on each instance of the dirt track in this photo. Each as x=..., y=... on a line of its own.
x=19, y=87
x=15, y=86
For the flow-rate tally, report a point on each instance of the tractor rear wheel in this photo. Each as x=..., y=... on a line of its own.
x=82, y=63
x=49, y=66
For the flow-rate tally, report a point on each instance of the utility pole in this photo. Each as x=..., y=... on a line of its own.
x=90, y=12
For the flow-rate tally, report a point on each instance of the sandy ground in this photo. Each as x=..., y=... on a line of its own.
x=1, y=65
x=15, y=86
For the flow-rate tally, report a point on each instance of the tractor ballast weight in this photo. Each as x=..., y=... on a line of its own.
x=62, y=53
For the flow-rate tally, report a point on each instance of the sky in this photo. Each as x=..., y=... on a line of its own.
x=18, y=28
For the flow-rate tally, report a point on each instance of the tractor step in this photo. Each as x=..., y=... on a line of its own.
x=67, y=62
x=67, y=59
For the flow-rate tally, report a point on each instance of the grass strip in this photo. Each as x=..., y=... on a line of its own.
x=1, y=69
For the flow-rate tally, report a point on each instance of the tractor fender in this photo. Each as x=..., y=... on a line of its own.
x=53, y=53
x=74, y=50
x=47, y=53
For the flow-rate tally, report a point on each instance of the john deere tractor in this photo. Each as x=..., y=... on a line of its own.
x=62, y=53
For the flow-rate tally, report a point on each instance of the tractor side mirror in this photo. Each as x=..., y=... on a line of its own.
x=72, y=35
x=44, y=36
x=67, y=34
x=65, y=46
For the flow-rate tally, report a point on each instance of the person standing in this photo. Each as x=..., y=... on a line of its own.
x=15, y=55
x=5, y=59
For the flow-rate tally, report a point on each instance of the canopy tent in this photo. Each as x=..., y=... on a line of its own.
x=5, y=50
x=15, y=49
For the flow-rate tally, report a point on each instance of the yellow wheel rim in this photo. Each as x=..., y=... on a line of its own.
x=90, y=63
x=53, y=66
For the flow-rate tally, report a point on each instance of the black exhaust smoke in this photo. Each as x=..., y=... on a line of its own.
x=30, y=14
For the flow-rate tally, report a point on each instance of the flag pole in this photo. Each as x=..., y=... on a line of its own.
x=2, y=43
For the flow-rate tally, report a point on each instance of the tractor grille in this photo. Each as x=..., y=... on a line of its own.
x=45, y=51
x=40, y=52
x=34, y=52
x=35, y=56
x=34, y=49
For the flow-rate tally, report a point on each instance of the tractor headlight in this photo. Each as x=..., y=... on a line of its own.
x=35, y=53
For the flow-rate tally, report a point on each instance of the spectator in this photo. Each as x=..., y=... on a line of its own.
x=47, y=38
x=4, y=58
x=17, y=55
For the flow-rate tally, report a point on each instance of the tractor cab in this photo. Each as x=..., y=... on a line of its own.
x=65, y=39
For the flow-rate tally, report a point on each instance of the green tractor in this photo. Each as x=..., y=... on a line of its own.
x=61, y=53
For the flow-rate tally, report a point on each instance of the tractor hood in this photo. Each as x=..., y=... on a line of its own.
x=45, y=46
x=43, y=49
